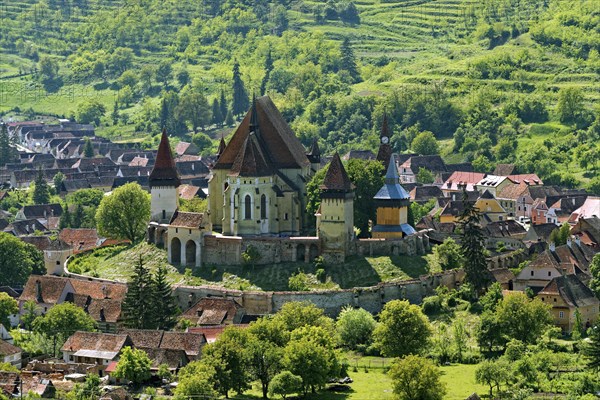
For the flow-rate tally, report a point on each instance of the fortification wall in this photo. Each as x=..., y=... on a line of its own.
x=370, y=298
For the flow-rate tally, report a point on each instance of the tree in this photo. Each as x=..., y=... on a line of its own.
x=65, y=319
x=58, y=180
x=241, y=102
x=263, y=359
x=229, y=118
x=425, y=144
x=48, y=74
x=595, y=272
x=310, y=354
x=90, y=111
x=41, y=192
x=18, y=260
x=284, y=384
x=165, y=309
x=183, y=77
x=416, y=378
x=164, y=72
x=492, y=373
x=570, y=104
x=193, y=108
x=88, y=149
x=30, y=311
x=355, y=327
x=6, y=151
x=89, y=390
x=490, y=300
x=403, y=329
x=227, y=357
x=560, y=236
x=592, y=349
x=445, y=256
x=125, y=213
x=296, y=314
x=348, y=61
x=8, y=307
x=424, y=176
x=522, y=318
x=268, y=69
x=473, y=246
x=195, y=381
x=217, y=117
x=489, y=332
x=134, y=366
x=223, y=108
x=140, y=300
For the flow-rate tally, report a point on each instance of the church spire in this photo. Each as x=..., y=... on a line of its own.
x=336, y=178
x=385, y=149
x=222, y=146
x=164, y=172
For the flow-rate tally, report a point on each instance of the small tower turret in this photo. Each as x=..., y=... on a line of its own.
x=335, y=218
x=164, y=181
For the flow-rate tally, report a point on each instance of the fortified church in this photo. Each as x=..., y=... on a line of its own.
x=257, y=197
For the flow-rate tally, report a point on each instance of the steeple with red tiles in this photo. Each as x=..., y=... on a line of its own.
x=164, y=172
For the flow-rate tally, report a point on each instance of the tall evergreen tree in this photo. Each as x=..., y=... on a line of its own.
x=41, y=193
x=268, y=69
x=88, y=148
x=168, y=114
x=592, y=348
x=138, y=306
x=166, y=310
x=223, y=105
x=65, y=219
x=229, y=118
x=348, y=61
x=5, y=149
x=217, y=117
x=473, y=246
x=115, y=113
x=78, y=217
x=241, y=102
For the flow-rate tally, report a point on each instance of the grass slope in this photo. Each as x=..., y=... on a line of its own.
x=116, y=263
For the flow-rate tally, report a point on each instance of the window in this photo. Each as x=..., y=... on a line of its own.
x=164, y=214
x=263, y=207
x=549, y=273
x=58, y=262
x=531, y=273
x=285, y=216
x=555, y=299
x=561, y=314
x=247, y=207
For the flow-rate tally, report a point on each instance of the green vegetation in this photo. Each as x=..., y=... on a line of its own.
x=488, y=74
x=116, y=263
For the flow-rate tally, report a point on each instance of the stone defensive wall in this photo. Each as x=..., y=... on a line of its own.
x=370, y=298
x=223, y=250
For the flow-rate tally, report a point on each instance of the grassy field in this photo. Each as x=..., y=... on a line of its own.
x=374, y=384
x=116, y=263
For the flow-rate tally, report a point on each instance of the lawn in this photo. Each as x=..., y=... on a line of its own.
x=374, y=384
x=117, y=262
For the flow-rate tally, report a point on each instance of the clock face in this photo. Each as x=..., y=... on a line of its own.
x=385, y=139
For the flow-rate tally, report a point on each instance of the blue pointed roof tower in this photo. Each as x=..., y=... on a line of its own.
x=392, y=193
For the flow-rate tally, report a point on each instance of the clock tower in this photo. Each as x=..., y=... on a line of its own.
x=385, y=149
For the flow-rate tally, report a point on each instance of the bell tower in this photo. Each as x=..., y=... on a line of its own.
x=335, y=218
x=164, y=181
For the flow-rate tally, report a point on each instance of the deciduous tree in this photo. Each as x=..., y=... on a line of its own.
x=284, y=384
x=403, y=329
x=18, y=260
x=416, y=378
x=8, y=307
x=124, y=214
x=134, y=365
x=355, y=327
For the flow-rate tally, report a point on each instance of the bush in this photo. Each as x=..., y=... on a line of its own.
x=432, y=305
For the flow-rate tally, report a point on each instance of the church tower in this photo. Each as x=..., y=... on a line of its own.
x=335, y=218
x=392, y=202
x=385, y=149
x=164, y=181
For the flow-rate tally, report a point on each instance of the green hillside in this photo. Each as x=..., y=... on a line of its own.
x=494, y=75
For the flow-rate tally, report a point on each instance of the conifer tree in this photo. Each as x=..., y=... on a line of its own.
x=473, y=246
x=241, y=102
x=115, y=113
x=164, y=303
x=65, y=219
x=592, y=348
x=229, y=118
x=138, y=304
x=88, y=149
x=268, y=69
x=217, y=118
x=58, y=180
x=223, y=105
x=348, y=61
x=5, y=149
x=78, y=217
x=41, y=194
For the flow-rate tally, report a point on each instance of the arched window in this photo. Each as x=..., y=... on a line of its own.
x=247, y=207
x=263, y=207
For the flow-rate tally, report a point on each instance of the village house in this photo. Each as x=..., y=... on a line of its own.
x=568, y=295
x=588, y=231
x=11, y=354
x=459, y=181
x=409, y=169
x=94, y=348
x=212, y=311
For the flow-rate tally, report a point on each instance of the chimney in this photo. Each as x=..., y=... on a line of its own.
x=38, y=291
x=552, y=247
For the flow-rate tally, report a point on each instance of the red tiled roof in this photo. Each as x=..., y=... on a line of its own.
x=99, y=290
x=96, y=341
x=51, y=287
x=81, y=239
x=336, y=177
x=212, y=311
x=187, y=219
x=251, y=160
x=458, y=179
x=7, y=349
x=164, y=171
x=188, y=192
x=282, y=146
